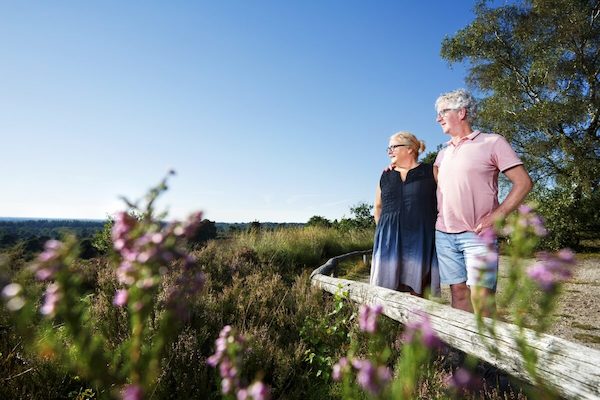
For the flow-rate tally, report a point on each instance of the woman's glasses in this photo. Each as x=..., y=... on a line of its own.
x=395, y=146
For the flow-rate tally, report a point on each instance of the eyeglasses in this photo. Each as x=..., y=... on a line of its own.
x=395, y=146
x=442, y=113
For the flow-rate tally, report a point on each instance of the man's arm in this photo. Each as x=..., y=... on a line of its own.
x=521, y=185
x=377, y=206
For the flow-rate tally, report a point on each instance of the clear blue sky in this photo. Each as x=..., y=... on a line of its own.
x=267, y=110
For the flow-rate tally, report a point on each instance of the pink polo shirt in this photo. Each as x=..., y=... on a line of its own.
x=468, y=179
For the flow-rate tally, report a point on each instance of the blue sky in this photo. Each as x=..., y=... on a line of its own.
x=268, y=110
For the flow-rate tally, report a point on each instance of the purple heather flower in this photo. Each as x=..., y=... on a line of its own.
x=524, y=209
x=51, y=299
x=567, y=256
x=228, y=368
x=259, y=391
x=542, y=276
x=242, y=394
x=213, y=360
x=132, y=392
x=463, y=379
x=423, y=328
x=367, y=317
x=369, y=377
x=11, y=290
x=11, y=293
x=552, y=269
x=339, y=368
x=120, y=298
x=44, y=274
x=528, y=218
x=488, y=236
x=125, y=272
x=226, y=385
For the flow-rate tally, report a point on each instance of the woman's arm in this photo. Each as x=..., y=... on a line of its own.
x=377, y=206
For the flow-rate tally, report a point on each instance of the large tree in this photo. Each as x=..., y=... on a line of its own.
x=536, y=64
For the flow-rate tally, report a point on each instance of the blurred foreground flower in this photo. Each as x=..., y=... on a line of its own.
x=229, y=348
x=367, y=317
x=552, y=269
x=422, y=330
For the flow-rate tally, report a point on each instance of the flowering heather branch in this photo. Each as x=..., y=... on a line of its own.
x=367, y=317
x=552, y=270
x=229, y=348
x=422, y=331
x=146, y=250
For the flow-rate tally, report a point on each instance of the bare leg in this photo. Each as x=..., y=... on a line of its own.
x=484, y=301
x=461, y=297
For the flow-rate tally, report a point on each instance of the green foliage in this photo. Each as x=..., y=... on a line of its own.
x=536, y=62
x=102, y=240
x=317, y=220
x=327, y=335
x=430, y=157
x=362, y=218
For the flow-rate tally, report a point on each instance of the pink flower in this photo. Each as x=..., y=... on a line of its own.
x=372, y=379
x=367, y=317
x=120, y=298
x=132, y=392
x=422, y=328
x=463, y=379
x=259, y=391
x=552, y=269
x=488, y=236
x=51, y=299
x=339, y=368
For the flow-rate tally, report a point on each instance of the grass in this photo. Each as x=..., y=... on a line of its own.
x=586, y=327
x=587, y=338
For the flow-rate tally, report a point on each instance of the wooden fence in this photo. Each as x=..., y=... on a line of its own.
x=572, y=369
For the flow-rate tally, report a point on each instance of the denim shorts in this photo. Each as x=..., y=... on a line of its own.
x=464, y=257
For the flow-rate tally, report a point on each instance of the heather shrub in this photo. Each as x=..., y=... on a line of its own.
x=297, y=248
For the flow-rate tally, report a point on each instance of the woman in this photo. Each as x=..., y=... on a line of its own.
x=404, y=255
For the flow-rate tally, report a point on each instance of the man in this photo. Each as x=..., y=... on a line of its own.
x=467, y=173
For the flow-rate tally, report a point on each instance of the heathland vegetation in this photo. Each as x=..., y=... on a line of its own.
x=163, y=316
x=134, y=309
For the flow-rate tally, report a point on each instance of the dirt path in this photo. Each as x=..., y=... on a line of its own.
x=577, y=316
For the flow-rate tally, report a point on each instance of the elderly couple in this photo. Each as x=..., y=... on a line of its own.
x=430, y=217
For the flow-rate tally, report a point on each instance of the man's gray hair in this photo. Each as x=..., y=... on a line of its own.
x=459, y=98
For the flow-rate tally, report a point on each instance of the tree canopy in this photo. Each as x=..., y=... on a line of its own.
x=536, y=64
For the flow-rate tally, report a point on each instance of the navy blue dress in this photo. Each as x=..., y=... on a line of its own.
x=404, y=245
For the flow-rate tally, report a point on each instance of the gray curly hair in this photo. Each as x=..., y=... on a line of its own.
x=459, y=98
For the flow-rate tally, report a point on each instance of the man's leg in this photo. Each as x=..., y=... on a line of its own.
x=481, y=260
x=453, y=269
x=484, y=301
x=461, y=297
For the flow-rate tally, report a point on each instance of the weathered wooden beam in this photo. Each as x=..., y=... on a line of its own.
x=572, y=369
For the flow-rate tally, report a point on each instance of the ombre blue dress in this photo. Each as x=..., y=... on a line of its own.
x=404, y=245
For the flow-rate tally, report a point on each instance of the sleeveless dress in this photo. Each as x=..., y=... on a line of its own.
x=404, y=245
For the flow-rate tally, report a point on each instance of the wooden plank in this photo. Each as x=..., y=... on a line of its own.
x=573, y=369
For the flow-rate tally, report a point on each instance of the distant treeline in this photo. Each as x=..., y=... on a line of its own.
x=13, y=231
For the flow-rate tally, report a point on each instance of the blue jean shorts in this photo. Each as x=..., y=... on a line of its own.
x=464, y=257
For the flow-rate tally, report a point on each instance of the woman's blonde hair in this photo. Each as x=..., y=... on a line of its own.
x=408, y=138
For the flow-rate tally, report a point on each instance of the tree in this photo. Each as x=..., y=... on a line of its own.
x=205, y=231
x=537, y=65
x=430, y=156
x=317, y=220
x=254, y=227
x=362, y=215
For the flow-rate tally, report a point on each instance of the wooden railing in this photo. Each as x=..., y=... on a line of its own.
x=572, y=369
